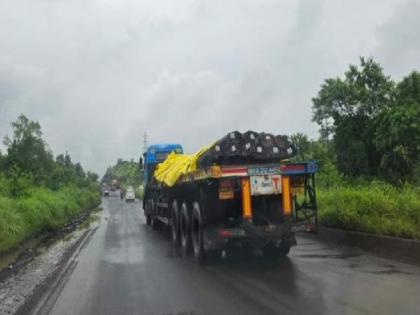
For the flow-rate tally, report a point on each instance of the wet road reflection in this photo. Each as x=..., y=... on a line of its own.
x=128, y=268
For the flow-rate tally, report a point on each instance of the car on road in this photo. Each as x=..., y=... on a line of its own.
x=106, y=193
x=130, y=196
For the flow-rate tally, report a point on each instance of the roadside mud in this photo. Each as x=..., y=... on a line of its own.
x=27, y=267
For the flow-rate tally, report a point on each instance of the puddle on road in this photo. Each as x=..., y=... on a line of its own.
x=300, y=249
x=307, y=243
x=89, y=221
x=326, y=256
x=7, y=260
x=378, y=270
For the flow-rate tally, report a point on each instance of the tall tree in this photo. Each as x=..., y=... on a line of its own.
x=302, y=144
x=27, y=151
x=398, y=132
x=353, y=104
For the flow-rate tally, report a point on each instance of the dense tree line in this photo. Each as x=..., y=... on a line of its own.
x=28, y=161
x=39, y=192
x=369, y=124
x=127, y=173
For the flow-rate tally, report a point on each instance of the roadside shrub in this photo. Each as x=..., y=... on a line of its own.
x=41, y=210
x=374, y=208
x=11, y=224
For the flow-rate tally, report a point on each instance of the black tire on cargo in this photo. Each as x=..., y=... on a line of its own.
x=175, y=233
x=185, y=230
x=276, y=251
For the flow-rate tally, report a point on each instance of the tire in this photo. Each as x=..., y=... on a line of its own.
x=156, y=225
x=147, y=212
x=153, y=220
x=185, y=230
x=276, y=251
x=175, y=233
x=197, y=236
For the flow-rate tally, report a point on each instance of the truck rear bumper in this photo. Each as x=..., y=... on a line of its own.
x=258, y=236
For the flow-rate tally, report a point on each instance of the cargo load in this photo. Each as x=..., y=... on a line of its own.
x=250, y=147
x=234, y=148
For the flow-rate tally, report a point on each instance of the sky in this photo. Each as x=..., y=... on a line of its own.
x=97, y=74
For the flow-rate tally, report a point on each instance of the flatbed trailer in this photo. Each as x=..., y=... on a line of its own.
x=258, y=206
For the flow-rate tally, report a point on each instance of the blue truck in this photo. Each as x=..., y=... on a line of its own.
x=258, y=206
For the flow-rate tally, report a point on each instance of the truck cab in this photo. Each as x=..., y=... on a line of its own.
x=157, y=153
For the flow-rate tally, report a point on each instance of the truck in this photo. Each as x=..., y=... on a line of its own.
x=259, y=206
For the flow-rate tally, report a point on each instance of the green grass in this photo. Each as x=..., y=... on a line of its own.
x=41, y=210
x=375, y=207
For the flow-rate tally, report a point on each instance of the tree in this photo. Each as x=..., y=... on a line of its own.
x=126, y=172
x=302, y=144
x=398, y=132
x=353, y=105
x=27, y=151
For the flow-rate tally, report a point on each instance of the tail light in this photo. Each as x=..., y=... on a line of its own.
x=226, y=189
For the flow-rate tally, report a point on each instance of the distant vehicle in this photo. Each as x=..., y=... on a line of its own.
x=115, y=185
x=106, y=193
x=130, y=195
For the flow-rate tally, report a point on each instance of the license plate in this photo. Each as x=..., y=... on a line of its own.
x=308, y=227
x=265, y=185
x=265, y=170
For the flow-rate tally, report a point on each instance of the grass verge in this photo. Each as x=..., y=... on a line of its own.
x=41, y=210
x=377, y=208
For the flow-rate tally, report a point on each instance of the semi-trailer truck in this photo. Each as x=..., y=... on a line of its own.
x=256, y=205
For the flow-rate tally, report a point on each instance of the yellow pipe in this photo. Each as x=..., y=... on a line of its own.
x=286, y=195
x=246, y=198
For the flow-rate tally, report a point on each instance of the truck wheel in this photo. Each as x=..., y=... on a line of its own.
x=175, y=224
x=185, y=230
x=197, y=234
x=155, y=224
x=147, y=213
x=154, y=221
x=148, y=219
x=276, y=251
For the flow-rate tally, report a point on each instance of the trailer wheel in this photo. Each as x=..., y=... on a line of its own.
x=197, y=234
x=148, y=219
x=185, y=230
x=147, y=213
x=175, y=224
x=156, y=225
x=154, y=221
x=276, y=251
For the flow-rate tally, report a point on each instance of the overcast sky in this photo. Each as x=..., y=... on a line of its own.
x=97, y=73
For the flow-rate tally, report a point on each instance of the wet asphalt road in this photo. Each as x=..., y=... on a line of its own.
x=127, y=268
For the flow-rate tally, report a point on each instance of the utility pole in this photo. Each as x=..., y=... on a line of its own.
x=141, y=165
x=145, y=141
